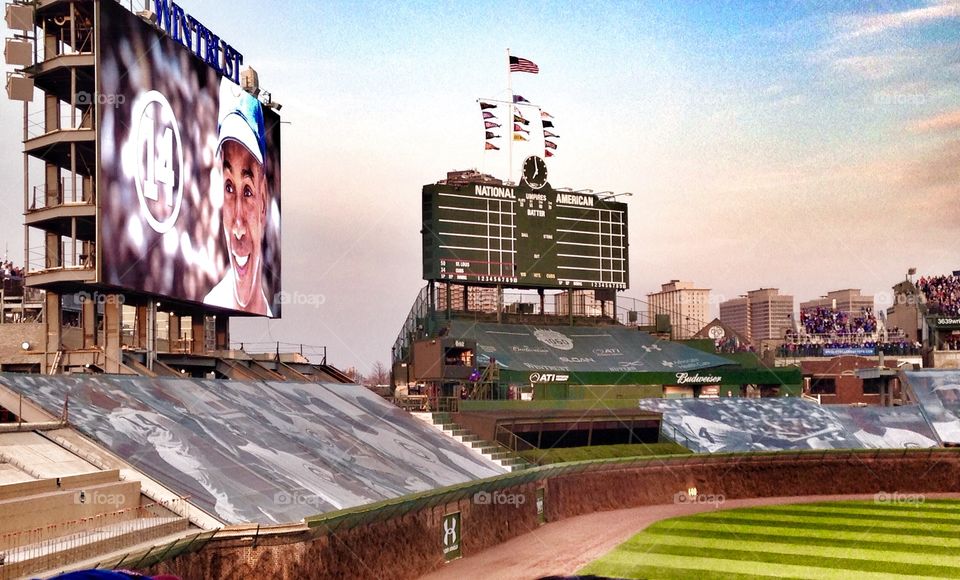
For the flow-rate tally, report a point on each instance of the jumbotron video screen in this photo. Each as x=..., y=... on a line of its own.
x=189, y=176
x=524, y=238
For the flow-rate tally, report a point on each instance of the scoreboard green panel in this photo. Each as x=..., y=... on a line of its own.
x=522, y=237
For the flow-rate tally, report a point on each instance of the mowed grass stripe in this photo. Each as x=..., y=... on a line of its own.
x=920, y=544
x=673, y=573
x=865, y=551
x=626, y=564
x=914, y=528
x=809, y=560
x=905, y=508
x=906, y=517
x=931, y=506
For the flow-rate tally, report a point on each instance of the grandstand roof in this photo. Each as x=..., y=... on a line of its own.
x=259, y=451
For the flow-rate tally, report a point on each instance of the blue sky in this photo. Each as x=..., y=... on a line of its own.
x=803, y=145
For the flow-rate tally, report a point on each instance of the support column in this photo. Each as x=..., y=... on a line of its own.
x=173, y=333
x=222, y=332
x=199, y=335
x=112, y=340
x=88, y=323
x=53, y=331
x=140, y=339
x=53, y=251
x=52, y=189
x=151, y=332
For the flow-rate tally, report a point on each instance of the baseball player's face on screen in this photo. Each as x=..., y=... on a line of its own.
x=244, y=213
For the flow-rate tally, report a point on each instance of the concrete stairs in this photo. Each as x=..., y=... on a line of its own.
x=46, y=524
x=493, y=451
x=56, y=553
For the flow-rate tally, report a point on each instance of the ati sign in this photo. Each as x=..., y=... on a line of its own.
x=451, y=535
x=549, y=378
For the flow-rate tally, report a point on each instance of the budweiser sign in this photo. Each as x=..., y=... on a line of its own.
x=687, y=378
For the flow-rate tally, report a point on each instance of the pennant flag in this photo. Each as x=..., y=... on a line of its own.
x=519, y=137
x=545, y=115
x=519, y=128
x=518, y=64
x=550, y=145
x=489, y=115
x=548, y=124
x=519, y=99
x=489, y=146
x=489, y=125
x=484, y=106
x=546, y=152
x=520, y=119
x=549, y=134
x=490, y=135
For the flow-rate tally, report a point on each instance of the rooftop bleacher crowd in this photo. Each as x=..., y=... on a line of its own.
x=10, y=272
x=824, y=328
x=942, y=294
x=822, y=320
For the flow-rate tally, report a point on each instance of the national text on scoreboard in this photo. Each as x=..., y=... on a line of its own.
x=520, y=237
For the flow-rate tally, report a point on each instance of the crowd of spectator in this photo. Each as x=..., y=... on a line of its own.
x=731, y=345
x=828, y=321
x=942, y=294
x=812, y=349
x=10, y=272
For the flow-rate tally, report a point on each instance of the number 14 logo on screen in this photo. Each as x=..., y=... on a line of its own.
x=159, y=166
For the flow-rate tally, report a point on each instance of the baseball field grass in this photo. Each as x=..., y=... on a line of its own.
x=891, y=537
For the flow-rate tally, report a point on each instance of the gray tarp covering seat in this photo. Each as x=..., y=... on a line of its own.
x=734, y=424
x=938, y=392
x=582, y=349
x=260, y=451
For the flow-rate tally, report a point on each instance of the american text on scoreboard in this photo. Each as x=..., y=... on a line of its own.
x=516, y=236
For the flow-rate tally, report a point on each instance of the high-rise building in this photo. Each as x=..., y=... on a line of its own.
x=771, y=314
x=760, y=315
x=735, y=313
x=686, y=305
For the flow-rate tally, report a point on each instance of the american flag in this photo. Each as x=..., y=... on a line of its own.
x=518, y=64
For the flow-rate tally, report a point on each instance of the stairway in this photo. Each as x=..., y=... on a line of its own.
x=492, y=451
x=47, y=524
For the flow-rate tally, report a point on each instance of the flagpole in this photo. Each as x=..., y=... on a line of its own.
x=510, y=120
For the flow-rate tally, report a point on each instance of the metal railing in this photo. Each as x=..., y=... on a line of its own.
x=65, y=121
x=45, y=547
x=313, y=353
x=64, y=194
x=510, y=440
x=70, y=257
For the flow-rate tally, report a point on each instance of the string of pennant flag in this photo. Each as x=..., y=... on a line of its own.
x=519, y=123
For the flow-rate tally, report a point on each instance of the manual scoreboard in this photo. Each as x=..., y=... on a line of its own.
x=522, y=237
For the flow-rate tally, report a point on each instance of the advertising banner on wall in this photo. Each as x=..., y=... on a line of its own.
x=189, y=176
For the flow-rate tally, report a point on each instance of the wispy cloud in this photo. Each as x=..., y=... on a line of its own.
x=948, y=121
x=864, y=25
